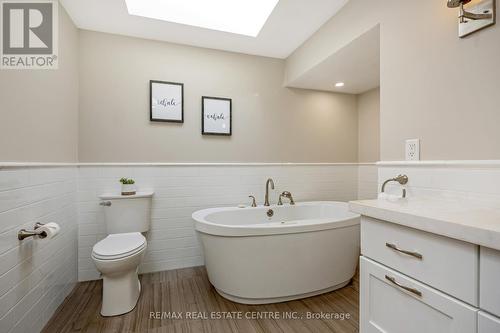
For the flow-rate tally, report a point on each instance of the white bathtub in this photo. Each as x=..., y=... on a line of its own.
x=301, y=251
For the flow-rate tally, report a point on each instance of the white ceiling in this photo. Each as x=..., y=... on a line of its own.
x=290, y=24
x=357, y=65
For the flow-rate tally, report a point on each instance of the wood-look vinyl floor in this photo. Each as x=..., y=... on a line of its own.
x=189, y=291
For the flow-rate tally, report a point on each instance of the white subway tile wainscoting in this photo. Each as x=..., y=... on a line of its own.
x=367, y=181
x=478, y=181
x=181, y=190
x=36, y=274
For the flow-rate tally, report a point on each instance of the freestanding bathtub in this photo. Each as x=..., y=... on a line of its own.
x=302, y=250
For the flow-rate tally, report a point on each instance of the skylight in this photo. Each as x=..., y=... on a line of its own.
x=244, y=17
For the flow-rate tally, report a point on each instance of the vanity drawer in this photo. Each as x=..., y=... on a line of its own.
x=391, y=302
x=489, y=286
x=446, y=264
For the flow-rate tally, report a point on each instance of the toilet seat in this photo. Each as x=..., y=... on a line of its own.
x=119, y=246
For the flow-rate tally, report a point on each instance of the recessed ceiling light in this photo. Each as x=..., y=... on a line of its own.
x=244, y=17
x=339, y=84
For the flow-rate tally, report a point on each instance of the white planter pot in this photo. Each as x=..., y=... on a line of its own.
x=128, y=189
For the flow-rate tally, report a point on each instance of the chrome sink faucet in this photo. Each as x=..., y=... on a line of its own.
x=266, y=200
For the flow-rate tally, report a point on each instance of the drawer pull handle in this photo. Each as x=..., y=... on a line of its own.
x=411, y=290
x=410, y=253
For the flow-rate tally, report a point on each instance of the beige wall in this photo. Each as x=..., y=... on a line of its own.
x=434, y=86
x=39, y=108
x=270, y=123
x=369, y=126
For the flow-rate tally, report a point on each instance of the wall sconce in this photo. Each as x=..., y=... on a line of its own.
x=475, y=17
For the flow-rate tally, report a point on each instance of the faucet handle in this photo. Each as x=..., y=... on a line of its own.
x=287, y=195
x=254, y=204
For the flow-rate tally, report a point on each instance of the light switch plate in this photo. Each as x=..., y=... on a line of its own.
x=412, y=150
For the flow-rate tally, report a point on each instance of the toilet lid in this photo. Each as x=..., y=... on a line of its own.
x=117, y=246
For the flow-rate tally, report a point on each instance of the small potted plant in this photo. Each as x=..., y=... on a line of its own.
x=128, y=186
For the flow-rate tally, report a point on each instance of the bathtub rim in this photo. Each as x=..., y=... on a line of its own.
x=292, y=227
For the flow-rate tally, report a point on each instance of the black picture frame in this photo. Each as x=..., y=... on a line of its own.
x=151, y=118
x=203, y=132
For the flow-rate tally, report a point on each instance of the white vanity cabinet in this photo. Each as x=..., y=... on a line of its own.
x=413, y=281
x=429, y=265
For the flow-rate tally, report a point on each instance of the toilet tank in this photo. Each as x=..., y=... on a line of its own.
x=127, y=213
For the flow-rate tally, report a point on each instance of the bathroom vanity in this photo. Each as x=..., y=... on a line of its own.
x=429, y=266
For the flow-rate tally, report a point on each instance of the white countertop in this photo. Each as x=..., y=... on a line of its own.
x=460, y=219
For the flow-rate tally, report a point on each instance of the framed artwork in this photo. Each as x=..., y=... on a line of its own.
x=216, y=116
x=166, y=101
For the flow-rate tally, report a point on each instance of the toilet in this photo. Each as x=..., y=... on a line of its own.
x=117, y=257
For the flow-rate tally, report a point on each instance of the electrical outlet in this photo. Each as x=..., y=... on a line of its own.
x=412, y=150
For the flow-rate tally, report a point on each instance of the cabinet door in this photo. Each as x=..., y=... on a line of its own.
x=391, y=302
x=488, y=323
x=489, y=281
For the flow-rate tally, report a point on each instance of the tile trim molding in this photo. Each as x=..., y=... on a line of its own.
x=434, y=163
x=442, y=163
x=49, y=164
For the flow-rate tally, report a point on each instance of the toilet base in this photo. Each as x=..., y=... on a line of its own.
x=120, y=293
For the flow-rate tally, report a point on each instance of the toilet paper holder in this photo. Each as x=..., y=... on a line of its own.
x=23, y=233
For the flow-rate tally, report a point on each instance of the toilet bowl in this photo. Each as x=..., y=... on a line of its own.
x=117, y=257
